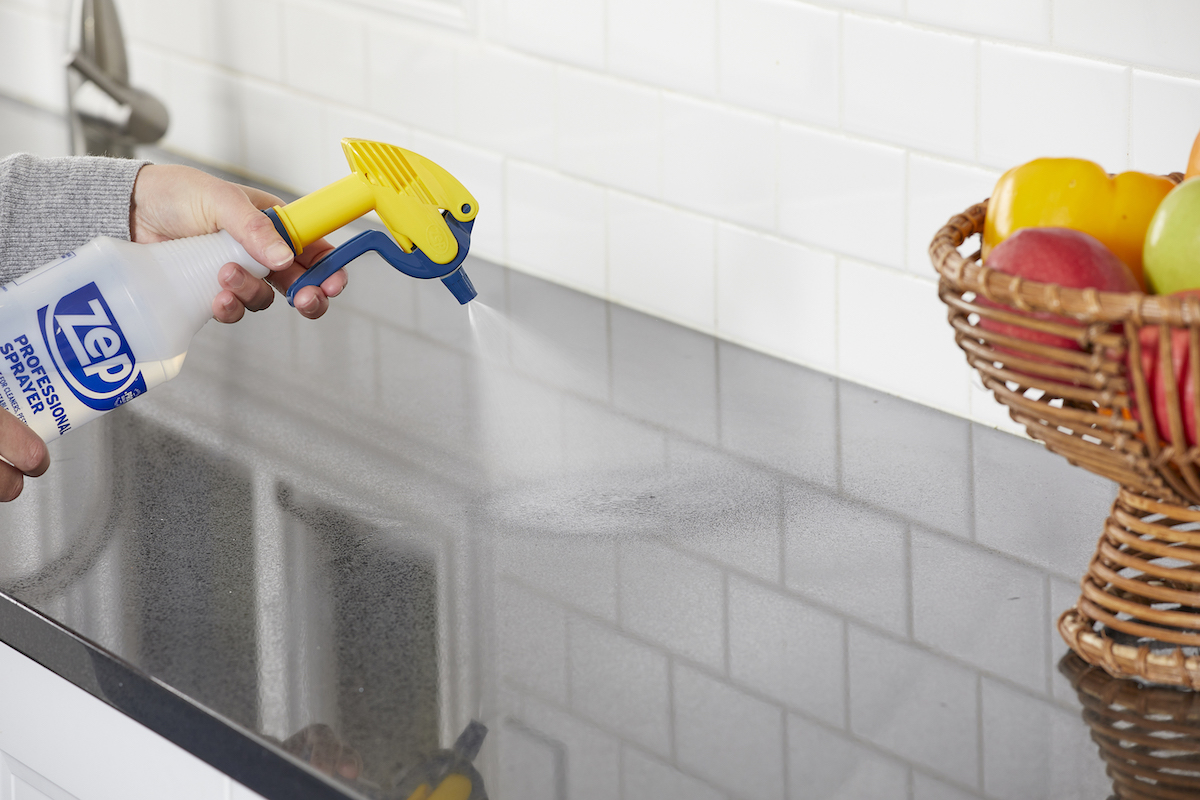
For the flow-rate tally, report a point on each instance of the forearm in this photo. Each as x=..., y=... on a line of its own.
x=50, y=206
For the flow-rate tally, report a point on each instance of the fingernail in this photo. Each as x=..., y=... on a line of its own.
x=279, y=254
x=236, y=279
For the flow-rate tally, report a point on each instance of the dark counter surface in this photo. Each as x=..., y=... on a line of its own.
x=652, y=563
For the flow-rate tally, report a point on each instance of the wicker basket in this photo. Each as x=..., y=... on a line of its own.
x=1139, y=611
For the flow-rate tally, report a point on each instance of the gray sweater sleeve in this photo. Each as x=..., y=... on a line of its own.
x=50, y=206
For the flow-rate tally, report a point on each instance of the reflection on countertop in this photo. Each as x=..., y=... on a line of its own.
x=654, y=564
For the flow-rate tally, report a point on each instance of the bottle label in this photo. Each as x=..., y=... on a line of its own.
x=89, y=350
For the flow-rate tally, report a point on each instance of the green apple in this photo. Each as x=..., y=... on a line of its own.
x=1171, y=253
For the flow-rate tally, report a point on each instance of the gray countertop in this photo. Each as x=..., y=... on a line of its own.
x=654, y=564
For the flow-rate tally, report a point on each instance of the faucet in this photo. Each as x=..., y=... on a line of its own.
x=107, y=116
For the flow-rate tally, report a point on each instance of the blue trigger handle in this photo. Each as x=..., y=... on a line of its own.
x=416, y=263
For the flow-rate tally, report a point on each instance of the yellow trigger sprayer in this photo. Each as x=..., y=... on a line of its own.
x=424, y=207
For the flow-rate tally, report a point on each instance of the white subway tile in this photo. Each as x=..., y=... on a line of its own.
x=1032, y=748
x=621, y=685
x=506, y=103
x=178, y=26
x=843, y=194
x=972, y=603
x=847, y=556
x=577, y=572
x=667, y=43
x=1164, y=121
x=413, y=76
x=749, y=764
x=482, y=173
x=1023, y=20
x=556, y=227
x=645, y=777
x=610, y=131
x=1035, y=103
x=892, y=8
x=284, y=137
x=893, y=335
x=532, y=634
x=325, y=52
x=776, y=296
x=780, y=57
x=254, y=45
x=31, y=59
x=719, y=161
x=824, y=764
x=771, y=650
x=937, y=190
x=661, y=260
x=1157, y=33
x=572, y=32
x=205, y=108
x=674, y=600
x=915, y=705
x=910, y=86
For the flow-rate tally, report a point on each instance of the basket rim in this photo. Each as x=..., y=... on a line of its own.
x=967, y=274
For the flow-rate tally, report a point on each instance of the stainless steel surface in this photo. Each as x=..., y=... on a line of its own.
x=653, y=563
x=107, y=115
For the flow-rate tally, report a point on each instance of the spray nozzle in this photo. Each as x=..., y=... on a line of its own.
x=427, y=211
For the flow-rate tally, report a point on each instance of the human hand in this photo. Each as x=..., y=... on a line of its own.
x=172, y=201
x=22, y=452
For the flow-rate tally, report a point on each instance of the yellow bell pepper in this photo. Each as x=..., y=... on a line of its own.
x=1076, y=193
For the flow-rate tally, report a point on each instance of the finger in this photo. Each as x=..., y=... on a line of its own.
x=253, y=293
x=227, y=308
x=11, y=483
x=21, y=447
x=235, y=211
x=311, y=302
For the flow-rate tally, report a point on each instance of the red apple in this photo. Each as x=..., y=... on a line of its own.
x=1156, y=378
x=1063, y=256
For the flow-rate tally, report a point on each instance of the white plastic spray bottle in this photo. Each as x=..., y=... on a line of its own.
x=112, y=320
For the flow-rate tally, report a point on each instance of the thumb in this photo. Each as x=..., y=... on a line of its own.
x=236, y=212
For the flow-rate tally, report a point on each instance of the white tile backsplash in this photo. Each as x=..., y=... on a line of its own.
x=610, y=131
x=910, y=86
x=1152, y=32
x=719, y=161
x=843, y=194
x=1035, y=103
x=555, y=227
x=774, y=295
x=800, y=130
x=571, y=32
x=1164, y=122
x=924, y=364
x=780, y=57
x=325, y=53
x=668, y=43
x=661, y=260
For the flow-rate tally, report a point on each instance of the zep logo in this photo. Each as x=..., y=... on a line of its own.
x=89, y=349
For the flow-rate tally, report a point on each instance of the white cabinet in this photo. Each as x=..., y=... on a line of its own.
x=57, y=742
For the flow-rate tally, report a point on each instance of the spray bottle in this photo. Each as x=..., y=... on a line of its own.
x=106, y=323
